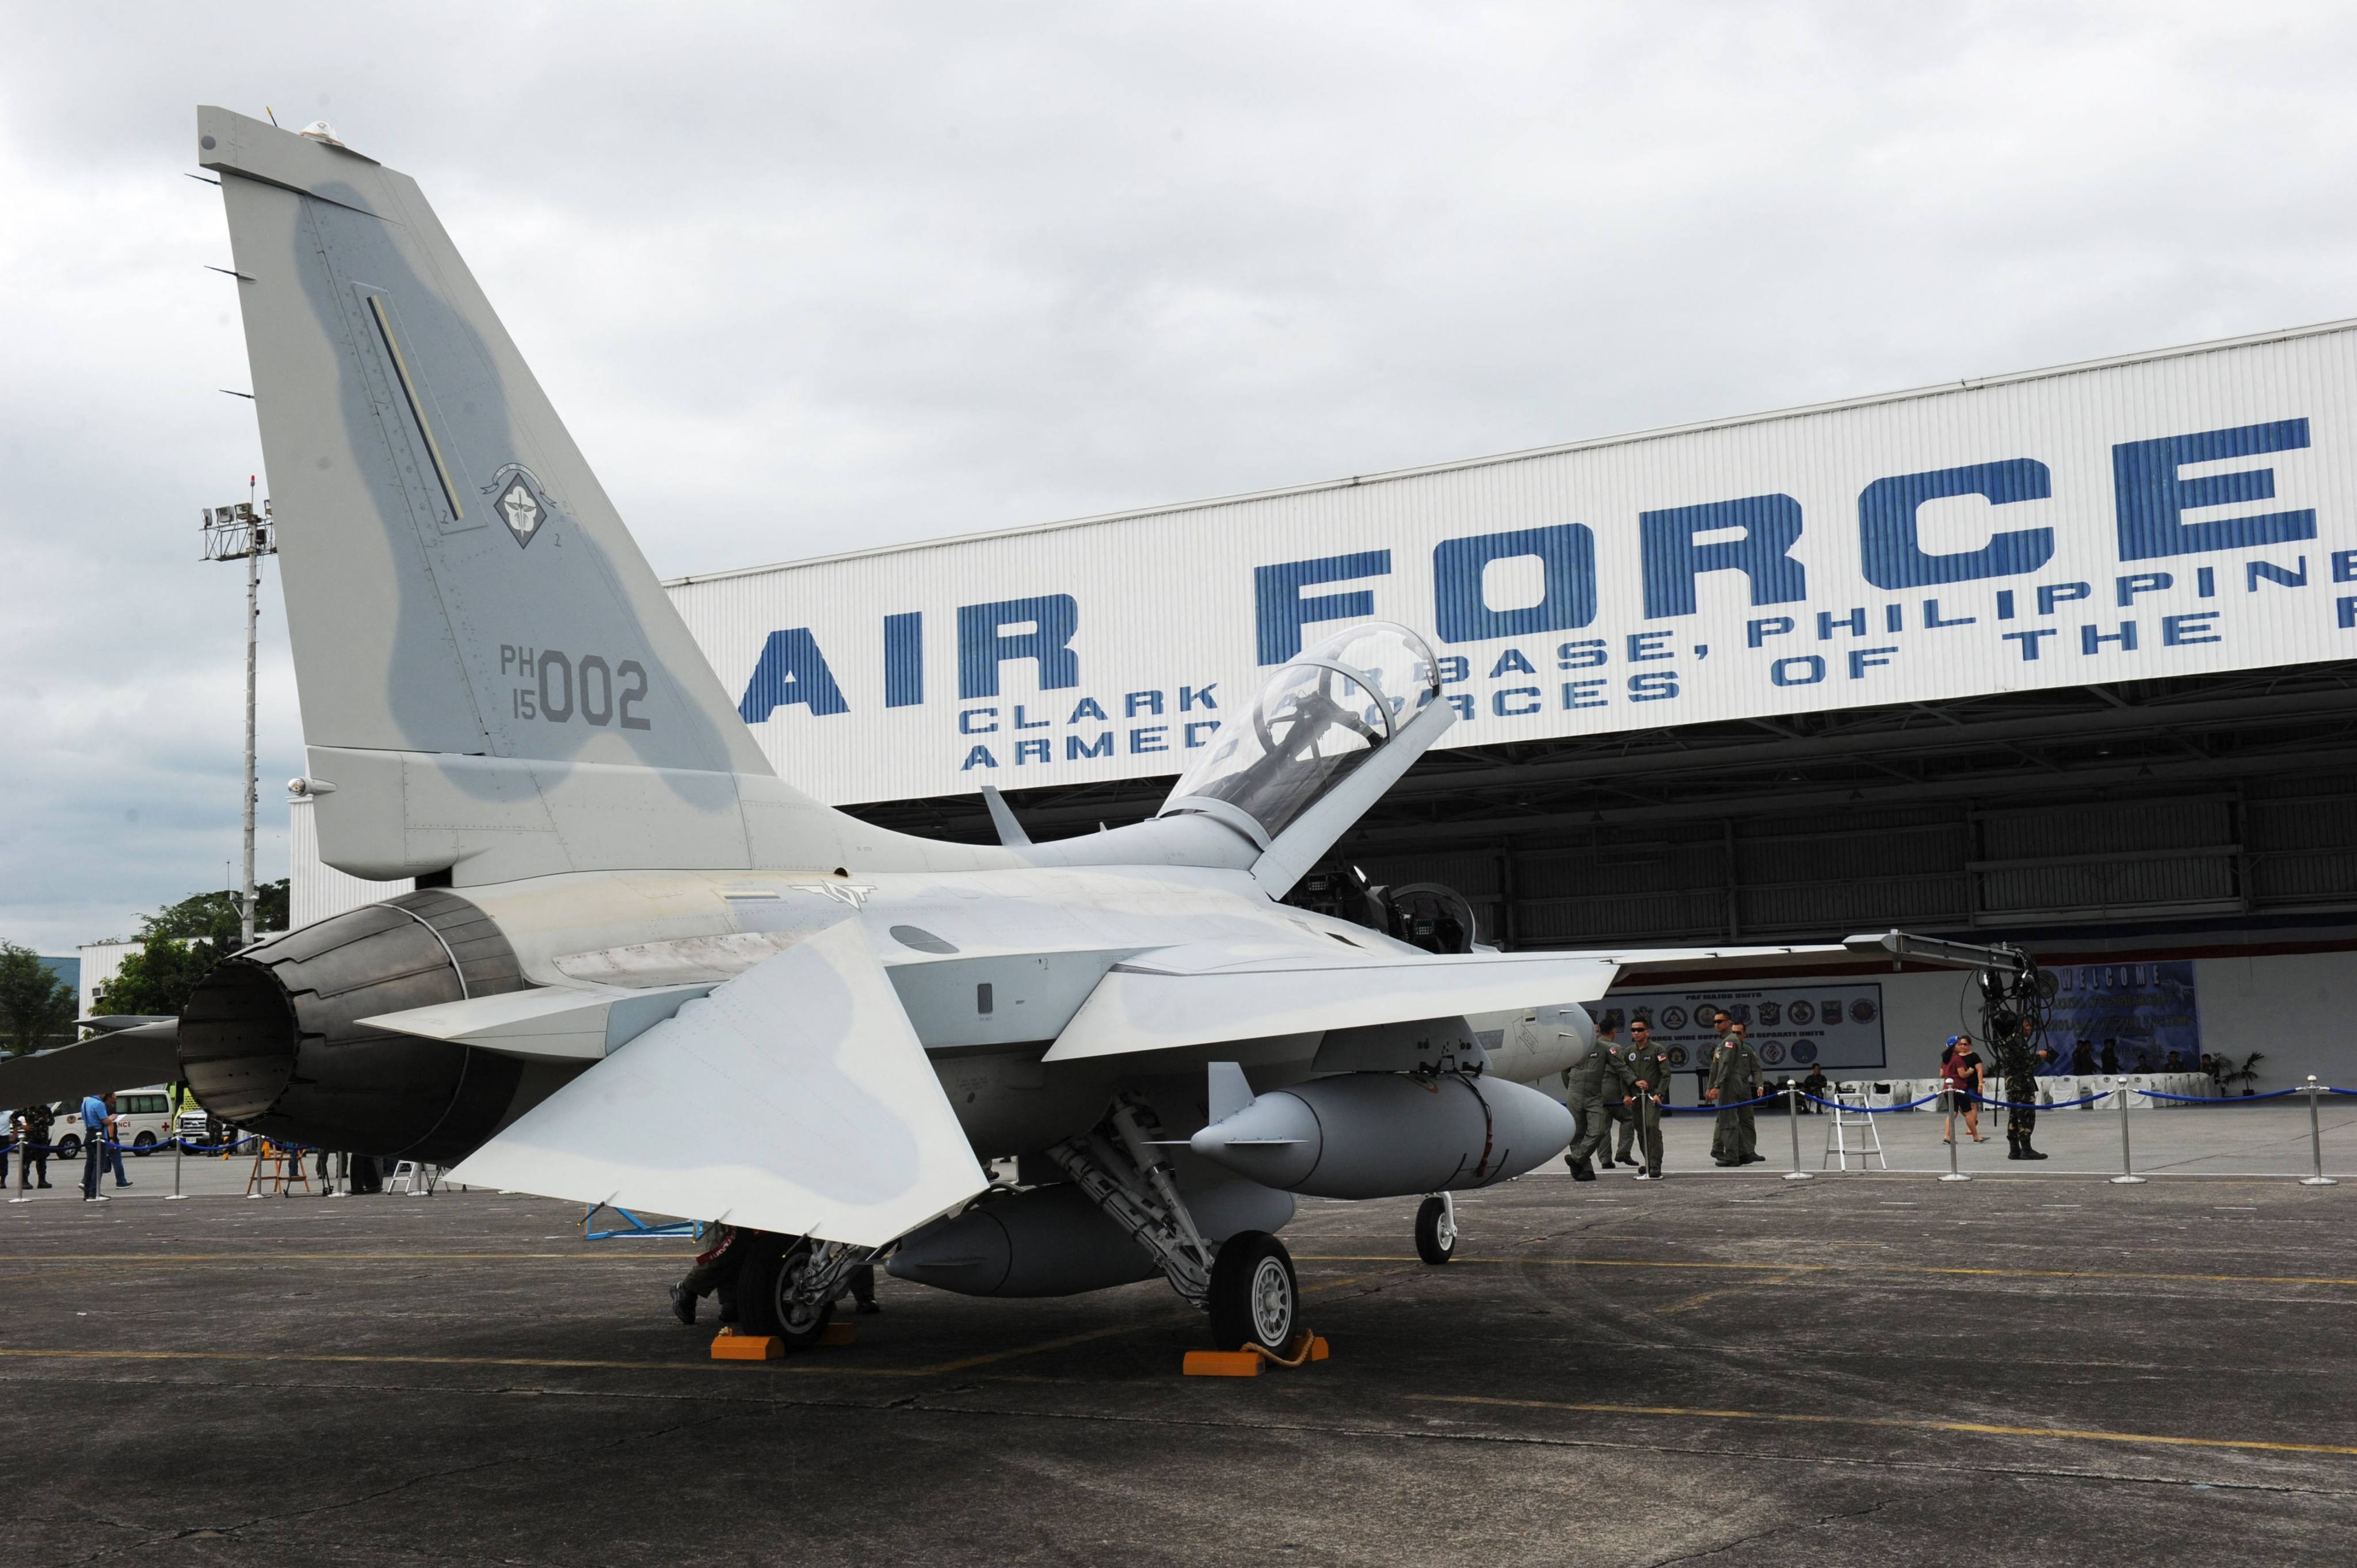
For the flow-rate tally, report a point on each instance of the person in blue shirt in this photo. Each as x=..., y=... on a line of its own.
x=114, y=1144
x=94, y=1150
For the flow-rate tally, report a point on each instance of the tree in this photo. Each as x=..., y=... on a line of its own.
x=37, y=1009
x=183, y=941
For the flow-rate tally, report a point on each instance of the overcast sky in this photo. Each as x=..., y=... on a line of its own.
x=807, y=278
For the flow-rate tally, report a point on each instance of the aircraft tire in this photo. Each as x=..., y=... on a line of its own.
x=1436, y=1237
x=1255, y=1298
x=769, y=1269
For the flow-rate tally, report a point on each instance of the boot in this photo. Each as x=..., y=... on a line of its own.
x=2012, y=1144
x=2027, y=1151
x=1581, y=1170
x=683, y=1305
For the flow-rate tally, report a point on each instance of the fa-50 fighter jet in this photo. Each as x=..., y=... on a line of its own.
x=624, y=920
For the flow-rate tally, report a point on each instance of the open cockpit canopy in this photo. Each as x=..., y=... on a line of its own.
x=1320, y=716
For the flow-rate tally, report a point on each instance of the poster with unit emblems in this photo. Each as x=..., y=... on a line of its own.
x=1793, y=1028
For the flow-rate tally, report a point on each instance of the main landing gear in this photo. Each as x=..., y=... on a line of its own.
x=1247, y=1283
x=1436, y=1228
x=787, y=1286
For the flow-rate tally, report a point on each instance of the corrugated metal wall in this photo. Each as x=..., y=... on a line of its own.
x=2279, y=846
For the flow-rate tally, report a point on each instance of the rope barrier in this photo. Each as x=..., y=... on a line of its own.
x=2030, y=1105
x=2215, y=1099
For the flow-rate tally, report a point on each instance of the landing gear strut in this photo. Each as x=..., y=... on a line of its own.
x=788, y=1285
x=1247, y=1283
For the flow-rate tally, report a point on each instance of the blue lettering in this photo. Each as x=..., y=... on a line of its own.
x=1208, y=726
x=979, y=757
x=1932, y=620
x=2091, y=641
x=2176, y=631
x=1087, y=709
x=2136, y=583
x=1030, y=751
x=2028, y=640
x=1075, y=752
x=1827, y=620
x=2253, y=572
x=1035, y=724
x=2344, y=566
x=1279, y=612
x=1588, y=694
x=1770, y=525
x=1652, y=686
x=1805, y=670
x=1586, y=654
x=790, y=670
x=967, y=726
x=1861, y=660
x=984, y=645
x=2052, y=594
x=1188, y=697
x=1646, y=646
x=2152, y=500
x=1566, y=554
x=904, y=660
x=1462, y=701
x=1755, y=632
x=1148, y=739
x=1498, y=701
x=1137, y=702
x=1511, y=662
x=1894, y=557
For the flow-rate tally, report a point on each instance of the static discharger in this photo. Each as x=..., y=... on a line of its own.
x=1248, y=1362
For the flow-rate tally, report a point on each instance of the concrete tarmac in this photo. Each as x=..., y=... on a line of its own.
x=1731, y=1368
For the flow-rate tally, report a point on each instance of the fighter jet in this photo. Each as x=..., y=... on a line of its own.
x=638, y=968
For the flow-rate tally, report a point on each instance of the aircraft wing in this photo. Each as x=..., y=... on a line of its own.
x=1204, y=994
x=794, y=1099
x=125, y=1059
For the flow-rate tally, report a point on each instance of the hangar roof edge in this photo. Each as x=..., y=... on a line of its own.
x=1937, y=388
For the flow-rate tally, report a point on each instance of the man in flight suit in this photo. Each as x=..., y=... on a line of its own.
x=1583, y=1084
x=1648, y=1071
x=1618, y=1112
x=1734, y=1078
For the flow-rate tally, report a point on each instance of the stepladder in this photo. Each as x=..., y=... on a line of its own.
x=416, y=1180
x=1851, y=1134
x=277, y=1168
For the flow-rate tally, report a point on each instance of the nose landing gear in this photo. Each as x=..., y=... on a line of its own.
x=1436, y=1228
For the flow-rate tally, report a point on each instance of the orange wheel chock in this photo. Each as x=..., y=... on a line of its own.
x=729, y=1346
x=1247, y=1362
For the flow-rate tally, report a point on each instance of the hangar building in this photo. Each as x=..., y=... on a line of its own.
x=2060, y=658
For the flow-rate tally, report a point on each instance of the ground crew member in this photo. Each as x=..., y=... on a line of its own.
x=1618, y=1112
x=1816, y=1083
x=716, y=1269
x=33, y=1124
x=113, y=1160
x=1649, y=1090
x=1734, y=1078
x=1583, y=1085
x=94, y=1118
x=2020, y=1071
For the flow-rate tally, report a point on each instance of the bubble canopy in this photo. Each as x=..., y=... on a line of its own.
x=1315, y=723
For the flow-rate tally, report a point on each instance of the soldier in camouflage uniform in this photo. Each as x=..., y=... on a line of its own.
x=1618, y=1112
x=1583, y=1085
x=1649, y=1089
x=2021, y=1069
x=1734, y=1076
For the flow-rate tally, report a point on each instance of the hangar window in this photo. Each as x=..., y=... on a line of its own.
x=1318, y=719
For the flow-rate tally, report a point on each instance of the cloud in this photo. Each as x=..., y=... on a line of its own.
x=807, y=277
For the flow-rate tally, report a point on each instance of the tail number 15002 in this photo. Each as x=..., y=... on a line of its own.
x=560, y=688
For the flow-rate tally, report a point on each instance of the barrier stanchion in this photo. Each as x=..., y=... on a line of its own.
x=176, y=1193
x=1953, y=1174
x=2315, y=1137
x=2127, y=1177
x=1792, y=1110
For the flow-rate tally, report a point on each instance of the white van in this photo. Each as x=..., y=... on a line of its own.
x=142, y=1120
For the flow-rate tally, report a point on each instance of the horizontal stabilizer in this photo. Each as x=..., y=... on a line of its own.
x=794, y=1099
x=1174, y=997
x=128, y=1059
x=547, y=1024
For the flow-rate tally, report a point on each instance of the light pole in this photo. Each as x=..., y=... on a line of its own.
x=240, y=532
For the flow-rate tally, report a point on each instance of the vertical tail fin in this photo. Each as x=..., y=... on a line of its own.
x=477, y=639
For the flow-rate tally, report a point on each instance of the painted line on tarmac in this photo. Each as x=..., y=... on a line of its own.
x=334, y=1257
x=1846, y=1268
x=1972, y=1428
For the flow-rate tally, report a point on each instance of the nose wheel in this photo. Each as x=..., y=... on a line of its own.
x=1436, y=1228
